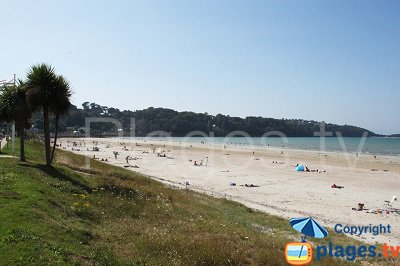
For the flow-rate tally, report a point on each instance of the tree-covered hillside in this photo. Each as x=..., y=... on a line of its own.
x=180, y=123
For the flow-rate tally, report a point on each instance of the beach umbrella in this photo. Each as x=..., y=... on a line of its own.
x=300, y=168
x=309, y=227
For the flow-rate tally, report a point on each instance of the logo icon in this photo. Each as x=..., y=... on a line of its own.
x=298, y=253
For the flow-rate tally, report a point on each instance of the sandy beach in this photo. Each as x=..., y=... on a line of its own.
x=265, y=178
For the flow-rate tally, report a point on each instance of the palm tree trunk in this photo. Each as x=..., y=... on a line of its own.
x=46, y=134
x=22, y=144
x=8, y=133
x=55, y=139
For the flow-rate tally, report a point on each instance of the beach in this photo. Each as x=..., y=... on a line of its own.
x=265, y=179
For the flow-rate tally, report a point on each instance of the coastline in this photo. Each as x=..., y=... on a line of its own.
x=281, y=191
x=292, y=143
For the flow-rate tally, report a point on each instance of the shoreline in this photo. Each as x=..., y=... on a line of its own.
x=279, y=189
x=260, y=146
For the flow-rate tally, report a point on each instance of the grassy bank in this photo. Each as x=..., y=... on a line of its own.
x=111, y=216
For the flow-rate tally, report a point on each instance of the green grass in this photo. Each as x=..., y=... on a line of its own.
x=107, y=215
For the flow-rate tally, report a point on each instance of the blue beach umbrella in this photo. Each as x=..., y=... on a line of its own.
x=299, y=168
x=309, y=227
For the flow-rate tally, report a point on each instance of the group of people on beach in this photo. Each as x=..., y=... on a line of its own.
x=304, y=168
x=102, y=159
x=205, y=163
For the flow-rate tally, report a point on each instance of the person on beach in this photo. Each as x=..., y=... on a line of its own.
x=206, y=162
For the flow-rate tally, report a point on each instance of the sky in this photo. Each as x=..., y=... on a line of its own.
x=333, y=61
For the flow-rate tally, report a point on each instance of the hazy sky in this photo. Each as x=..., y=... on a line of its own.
x=337, y=61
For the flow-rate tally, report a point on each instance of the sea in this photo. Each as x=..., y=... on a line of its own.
x=372, y=145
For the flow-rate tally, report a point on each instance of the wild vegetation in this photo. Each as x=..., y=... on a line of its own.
x=66, y=214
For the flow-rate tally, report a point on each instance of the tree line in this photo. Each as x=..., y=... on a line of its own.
x=181, y=123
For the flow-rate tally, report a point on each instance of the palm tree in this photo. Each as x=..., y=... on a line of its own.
x=13, y=107
x=60, y=106
x=49, y=93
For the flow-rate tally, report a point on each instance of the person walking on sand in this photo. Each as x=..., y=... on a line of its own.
x=206, y=162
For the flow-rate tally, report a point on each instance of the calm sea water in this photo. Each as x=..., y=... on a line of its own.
x=367, y=145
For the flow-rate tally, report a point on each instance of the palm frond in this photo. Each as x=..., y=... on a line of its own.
x=45, y=89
